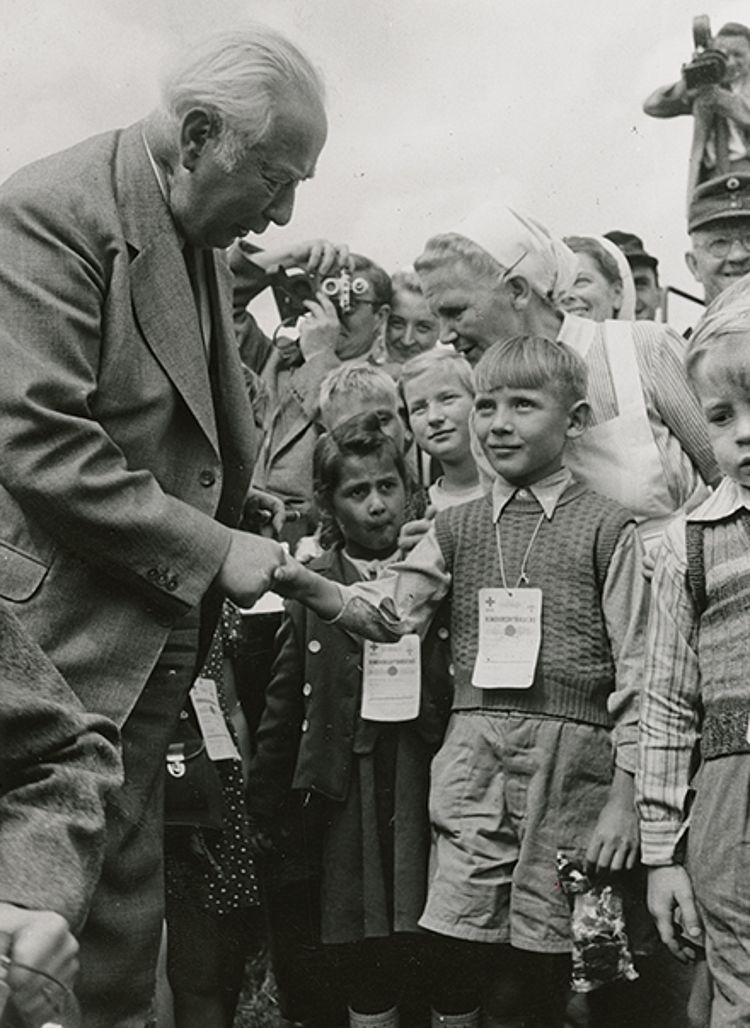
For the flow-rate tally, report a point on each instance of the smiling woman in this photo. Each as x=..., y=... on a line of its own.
x=597, y=292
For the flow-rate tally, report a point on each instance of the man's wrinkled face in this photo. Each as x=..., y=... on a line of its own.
x=474, y=310
x=720, y=254
x=212, y=205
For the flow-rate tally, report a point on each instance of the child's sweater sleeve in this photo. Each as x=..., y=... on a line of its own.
x=403, y=599
x=625, y=608
x=669, y=722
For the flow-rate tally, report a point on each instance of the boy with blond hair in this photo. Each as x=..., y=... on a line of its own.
x=547, y=609
x=696, y=702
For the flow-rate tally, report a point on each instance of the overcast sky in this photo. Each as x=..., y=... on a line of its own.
x=433, y=105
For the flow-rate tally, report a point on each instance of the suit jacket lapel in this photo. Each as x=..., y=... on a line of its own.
x=163, y=301
x=237, y=425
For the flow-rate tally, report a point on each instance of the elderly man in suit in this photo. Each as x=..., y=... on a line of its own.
x=127, y=433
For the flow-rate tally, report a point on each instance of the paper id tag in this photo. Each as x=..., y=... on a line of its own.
x=219, y=743
x=510, y=633
x=391, y=680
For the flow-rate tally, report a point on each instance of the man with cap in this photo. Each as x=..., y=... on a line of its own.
x=719, y=229
x=501, y=274
x=644, y=269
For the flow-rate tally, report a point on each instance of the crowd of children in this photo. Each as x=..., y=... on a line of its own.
x=454, y=699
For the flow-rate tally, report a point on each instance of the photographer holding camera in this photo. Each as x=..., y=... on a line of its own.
x=344, y=320
x=715, y=88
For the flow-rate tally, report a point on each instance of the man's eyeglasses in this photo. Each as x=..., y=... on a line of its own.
x=720, y=246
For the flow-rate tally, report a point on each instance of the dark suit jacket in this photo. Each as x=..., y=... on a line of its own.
x=112, y=469
x=311, y=728
x=56, y=766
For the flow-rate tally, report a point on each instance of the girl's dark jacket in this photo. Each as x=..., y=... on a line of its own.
x=311, y=732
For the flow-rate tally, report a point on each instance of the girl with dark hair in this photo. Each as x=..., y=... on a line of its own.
x=365, y=780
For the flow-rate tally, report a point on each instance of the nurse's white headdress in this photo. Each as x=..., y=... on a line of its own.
x=522, y=244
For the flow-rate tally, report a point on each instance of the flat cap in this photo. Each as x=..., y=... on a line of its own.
x=727, y=196
x=632, y=246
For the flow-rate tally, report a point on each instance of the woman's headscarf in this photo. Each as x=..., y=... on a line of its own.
x=627, y=307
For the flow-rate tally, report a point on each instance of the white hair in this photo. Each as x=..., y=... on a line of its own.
x=243, y=78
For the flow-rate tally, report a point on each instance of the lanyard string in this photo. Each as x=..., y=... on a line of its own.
x=523, y=577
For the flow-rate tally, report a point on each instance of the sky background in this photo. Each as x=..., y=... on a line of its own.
x=434, y=105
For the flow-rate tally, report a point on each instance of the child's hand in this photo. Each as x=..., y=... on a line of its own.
x=615, y=842
x=319, y=328
x=413, y=531
x=671, y=902
x=288, y=578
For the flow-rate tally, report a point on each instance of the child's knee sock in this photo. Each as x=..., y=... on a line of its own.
x=386, y=1019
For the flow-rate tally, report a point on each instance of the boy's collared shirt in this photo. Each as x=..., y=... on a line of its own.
x=407, y=595
x=547, y=492
x=669, y=727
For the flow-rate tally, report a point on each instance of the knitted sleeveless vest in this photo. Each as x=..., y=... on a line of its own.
x=568, y=561
x=723, y=648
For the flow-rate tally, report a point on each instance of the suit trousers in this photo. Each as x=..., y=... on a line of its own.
x=120, y=940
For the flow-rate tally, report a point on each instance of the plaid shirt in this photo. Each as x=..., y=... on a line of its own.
x=669, y=728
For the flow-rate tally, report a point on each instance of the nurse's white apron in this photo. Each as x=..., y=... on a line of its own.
x=619, y=457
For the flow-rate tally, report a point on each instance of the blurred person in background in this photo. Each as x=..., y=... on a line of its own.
x=645, y=271
x=57, y=766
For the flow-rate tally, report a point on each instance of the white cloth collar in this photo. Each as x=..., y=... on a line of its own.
x=547, y=492
x=371, y=569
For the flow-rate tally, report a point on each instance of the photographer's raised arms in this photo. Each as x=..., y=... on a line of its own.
x=715, y=88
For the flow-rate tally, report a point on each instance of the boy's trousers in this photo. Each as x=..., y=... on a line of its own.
x=719, y=866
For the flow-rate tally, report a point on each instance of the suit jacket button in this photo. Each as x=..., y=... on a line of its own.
x=152, y=573
x=313, y=646
x=305, y=725
x=306, y=689
x=207, y=478
x=442, y=632
x=171, y=584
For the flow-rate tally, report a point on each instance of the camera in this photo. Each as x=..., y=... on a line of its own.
x=341, y=288
x=290, y=293
x=707, y=66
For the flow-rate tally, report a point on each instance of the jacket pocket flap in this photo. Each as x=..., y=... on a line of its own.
x=20, y=573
